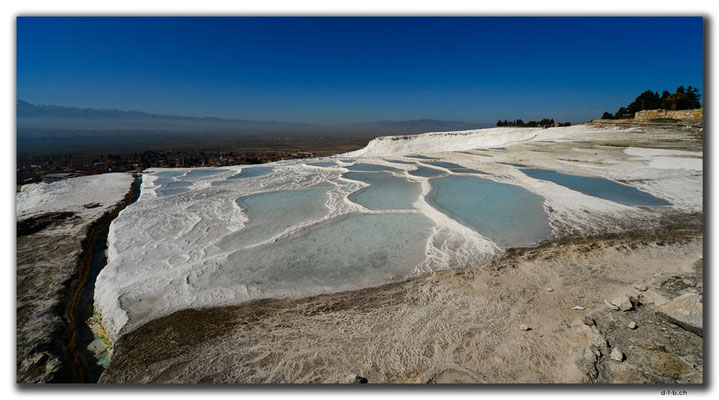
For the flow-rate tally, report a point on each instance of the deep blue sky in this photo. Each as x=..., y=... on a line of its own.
x=333, y=70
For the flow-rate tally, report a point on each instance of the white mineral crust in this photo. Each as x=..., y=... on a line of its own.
x=201, y=248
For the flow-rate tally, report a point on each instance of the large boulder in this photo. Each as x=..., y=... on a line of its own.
x=686, y=311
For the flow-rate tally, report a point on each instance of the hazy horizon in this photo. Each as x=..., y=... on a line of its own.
x=190, y=116
x=342, y=70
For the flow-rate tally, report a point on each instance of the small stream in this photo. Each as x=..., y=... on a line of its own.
x=92, y=353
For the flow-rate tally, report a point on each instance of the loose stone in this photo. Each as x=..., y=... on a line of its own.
x=642, y=287
x=625, y=303
x=598, y=341
x=616, y=355
x=610, y=305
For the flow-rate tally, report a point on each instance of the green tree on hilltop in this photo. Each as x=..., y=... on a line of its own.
x=693, y=98
x=665, y=102
x=646, y=101
x=682, y=99
x=622, y=113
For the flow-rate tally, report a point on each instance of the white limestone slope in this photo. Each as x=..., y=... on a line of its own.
x=72, y=194
x=434, y=142
x=202, y=248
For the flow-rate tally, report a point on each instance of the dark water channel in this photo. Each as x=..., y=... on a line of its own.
x=91, y=367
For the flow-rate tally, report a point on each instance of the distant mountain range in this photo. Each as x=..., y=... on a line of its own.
x=35, y=118
x=58, y=117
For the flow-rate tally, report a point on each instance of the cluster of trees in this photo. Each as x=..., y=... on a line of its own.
x=682, y=99
x=545, y=123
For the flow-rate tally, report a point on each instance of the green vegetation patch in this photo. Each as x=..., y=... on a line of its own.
x=682, y=99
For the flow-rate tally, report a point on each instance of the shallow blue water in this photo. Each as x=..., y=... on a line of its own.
x=421, y=157
x=168, y=184
x=514, y=164
x=427, y=172
x=473, y=153
x=598, y=187
x=510, y=215
x=201, y=173
x=401, y=162
x=163, y=181
x=169, y=174
x=453, y=167
x=251, y=172
x=371, y=167
x=169, y=192
x=351, y=250
x=271, y=213
x=386, y=191
x=323, y=164
x=176, y=185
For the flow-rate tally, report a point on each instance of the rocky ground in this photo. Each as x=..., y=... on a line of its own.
x=692, y=127
x=651, y=332
x=53, y=256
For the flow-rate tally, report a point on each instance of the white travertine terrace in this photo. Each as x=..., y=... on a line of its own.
x=72, y=194
x=203, y=248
